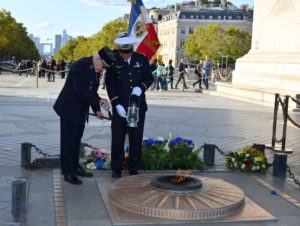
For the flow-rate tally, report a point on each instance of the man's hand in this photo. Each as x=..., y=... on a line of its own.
x=121, y=111
x=136, y=91
x=99, y=114
x=104, y=103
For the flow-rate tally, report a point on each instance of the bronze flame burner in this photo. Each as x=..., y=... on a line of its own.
x=169, y=182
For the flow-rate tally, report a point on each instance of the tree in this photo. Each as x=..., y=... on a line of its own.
x=237, y=41
x=67, y=52
x=213, y=40
x=83, y=47
x=204, y=41
x=14, y=40
x=204, y=2
x=216, y=2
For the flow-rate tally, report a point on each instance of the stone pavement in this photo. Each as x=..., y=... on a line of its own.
x=27, y=116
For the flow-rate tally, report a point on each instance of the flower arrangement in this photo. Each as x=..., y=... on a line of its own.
x=247, y=159
x=93, y=158
x=172, y=153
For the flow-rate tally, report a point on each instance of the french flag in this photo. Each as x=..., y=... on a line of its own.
x=142, y=30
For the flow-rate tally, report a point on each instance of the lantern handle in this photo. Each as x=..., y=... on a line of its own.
x=139, y=98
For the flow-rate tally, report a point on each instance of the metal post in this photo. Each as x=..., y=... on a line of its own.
x=280, y=165
x=260, y=147
x=286, y=109
x=209, y=154
x=37, y=79
x=19, y=200
x=275, y=120
x=25, y=154
x=297, y=109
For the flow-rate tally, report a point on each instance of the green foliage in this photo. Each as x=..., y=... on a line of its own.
x=67, y=52
x=216, y=2
x=82, y=46
x=204, y=2
x=213, y=40
x=154, y=156
x=14, y=40
x=176, y=153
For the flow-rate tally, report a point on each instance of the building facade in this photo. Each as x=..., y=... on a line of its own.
x=58, y=39
x=182, y=20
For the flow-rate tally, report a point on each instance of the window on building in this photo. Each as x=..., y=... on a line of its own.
x=210, y=17
x=182, y=43
x=182, y=30
x=191, y=16
x=219, y=17
x=159, y=17
x=238, y=17
x=202, y=16
x=183, y=16
x=191, y=30
x=229, y=17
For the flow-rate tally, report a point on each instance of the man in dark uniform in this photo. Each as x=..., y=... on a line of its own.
x=72, y=105
x=130, y=76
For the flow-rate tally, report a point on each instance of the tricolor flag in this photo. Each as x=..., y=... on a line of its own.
x=141, y=28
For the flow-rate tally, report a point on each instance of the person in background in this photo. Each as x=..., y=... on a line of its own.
x=153, y=66
x=170, y=72
x=62, y=67
x=182, y=71
x=198, y=70
x=207, y=67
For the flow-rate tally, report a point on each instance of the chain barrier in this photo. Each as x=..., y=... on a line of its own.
x=292, y=175
x=30, y=69
x=220, y=151
x=34, y=164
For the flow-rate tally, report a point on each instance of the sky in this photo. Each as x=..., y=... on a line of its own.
x=45, y=18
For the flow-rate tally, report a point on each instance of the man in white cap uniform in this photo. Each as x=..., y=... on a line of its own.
x=129, y=76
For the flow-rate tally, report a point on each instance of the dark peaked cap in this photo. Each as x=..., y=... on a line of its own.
x=107, y=56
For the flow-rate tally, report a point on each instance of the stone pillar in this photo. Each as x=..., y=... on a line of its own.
x=273, y=63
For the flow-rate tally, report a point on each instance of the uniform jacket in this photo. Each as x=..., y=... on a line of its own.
x=79, y=92
x=121, y=78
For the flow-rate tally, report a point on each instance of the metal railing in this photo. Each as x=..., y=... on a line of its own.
x=284, y=104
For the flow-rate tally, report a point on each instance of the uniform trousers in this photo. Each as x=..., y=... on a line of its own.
x=119, y=129
x=70, y=140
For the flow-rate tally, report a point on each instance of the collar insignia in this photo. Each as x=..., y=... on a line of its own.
x=137, y=65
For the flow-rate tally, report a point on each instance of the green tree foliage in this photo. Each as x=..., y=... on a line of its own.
x=216, y=2
x=82, y=46
x=14, y=40
x=213, y=40
x=205, y=2
x=67, y=52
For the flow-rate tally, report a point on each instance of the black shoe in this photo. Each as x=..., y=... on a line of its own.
x=81, y=172
x=116, y=174
x=194, y=85
x=72, y=179
x=133, y=172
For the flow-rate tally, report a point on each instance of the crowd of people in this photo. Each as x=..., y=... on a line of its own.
x=164, y=74
x=44, y=68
